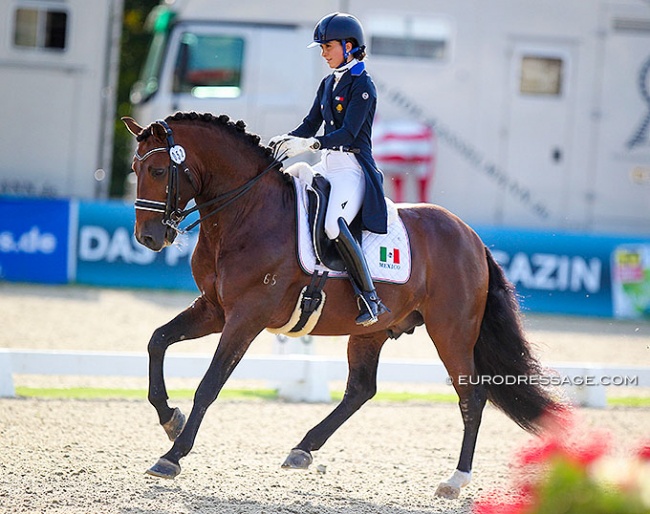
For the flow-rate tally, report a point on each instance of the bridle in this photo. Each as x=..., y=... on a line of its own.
x=172, y=214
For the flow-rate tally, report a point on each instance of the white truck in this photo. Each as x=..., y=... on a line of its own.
x=540, y=110
x=58, y=78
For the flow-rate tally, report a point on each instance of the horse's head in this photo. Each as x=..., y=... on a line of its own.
x=161, y=190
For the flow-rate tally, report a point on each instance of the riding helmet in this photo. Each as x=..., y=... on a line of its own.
x=338, y=26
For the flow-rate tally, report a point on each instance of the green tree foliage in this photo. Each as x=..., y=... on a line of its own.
x=133, y=52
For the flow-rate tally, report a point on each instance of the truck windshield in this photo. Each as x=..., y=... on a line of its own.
x=209, y=66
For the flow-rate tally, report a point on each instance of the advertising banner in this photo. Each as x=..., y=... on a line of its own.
x=631, y=281
x=34, y=240
x=558, y=272
x=109, y=255
x=58, y=241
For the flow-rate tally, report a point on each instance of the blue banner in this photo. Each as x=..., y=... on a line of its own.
x=34, y=240
x=558, y=272
x=56, y=241
x=109, y=255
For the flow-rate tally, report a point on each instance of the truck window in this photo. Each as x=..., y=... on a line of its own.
x=158, y=22
x=40, y=28
x=209, y=66
x=540, y=75
x=422, y=37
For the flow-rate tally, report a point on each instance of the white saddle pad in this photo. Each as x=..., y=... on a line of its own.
x=388, y=256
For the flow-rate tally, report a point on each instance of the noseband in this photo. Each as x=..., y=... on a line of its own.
x=172, y=214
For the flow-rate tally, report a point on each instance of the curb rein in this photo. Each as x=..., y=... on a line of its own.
x=172, y=214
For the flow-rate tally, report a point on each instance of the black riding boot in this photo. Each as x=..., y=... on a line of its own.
x=370, y=305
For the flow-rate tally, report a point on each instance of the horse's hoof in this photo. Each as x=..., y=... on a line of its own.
x=175, y=425
x=448, y=491
x=164, y=469
x=298, y=459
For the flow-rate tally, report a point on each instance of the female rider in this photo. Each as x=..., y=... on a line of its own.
x=345, y=103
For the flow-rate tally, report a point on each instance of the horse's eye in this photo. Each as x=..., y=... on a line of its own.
x=157, y=172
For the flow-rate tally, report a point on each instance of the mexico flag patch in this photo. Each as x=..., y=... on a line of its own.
x=389, y=256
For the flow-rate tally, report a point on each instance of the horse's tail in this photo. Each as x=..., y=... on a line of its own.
x=504, y=360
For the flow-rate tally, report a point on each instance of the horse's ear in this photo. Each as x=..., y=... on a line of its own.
x=132, y=126
x=158, y=130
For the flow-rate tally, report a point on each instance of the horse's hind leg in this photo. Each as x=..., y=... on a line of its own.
x=455, y=344
x=363, y=359
x=200, y=319
x=471, y=403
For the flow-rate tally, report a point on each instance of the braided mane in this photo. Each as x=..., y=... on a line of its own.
x=238, y=128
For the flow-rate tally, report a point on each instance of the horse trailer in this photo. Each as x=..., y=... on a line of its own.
x=540, y=111
x=58, y=69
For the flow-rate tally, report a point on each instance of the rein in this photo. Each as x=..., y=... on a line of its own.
x=172, y=215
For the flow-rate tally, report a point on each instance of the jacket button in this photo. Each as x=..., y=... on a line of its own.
x=332, y=122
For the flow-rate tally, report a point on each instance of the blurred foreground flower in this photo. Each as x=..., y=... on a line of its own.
x=565, y=475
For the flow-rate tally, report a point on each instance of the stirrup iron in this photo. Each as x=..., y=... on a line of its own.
x=370, y=307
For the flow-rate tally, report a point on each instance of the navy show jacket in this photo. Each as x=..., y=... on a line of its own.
x=348, y=112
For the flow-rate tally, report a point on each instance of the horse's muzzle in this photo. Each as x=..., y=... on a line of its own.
x=154, y=235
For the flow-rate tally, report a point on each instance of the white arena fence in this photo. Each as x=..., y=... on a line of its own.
x=299, y=377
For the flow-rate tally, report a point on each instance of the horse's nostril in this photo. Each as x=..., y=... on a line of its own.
x=148, y=241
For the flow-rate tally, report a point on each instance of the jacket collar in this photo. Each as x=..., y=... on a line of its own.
x=354, y=67
x=358, y=68
x=347, y=78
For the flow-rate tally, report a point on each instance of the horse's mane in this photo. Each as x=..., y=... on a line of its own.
x=238, y=128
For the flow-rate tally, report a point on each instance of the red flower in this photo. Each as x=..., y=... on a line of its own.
x=540, y=453
x=504, y=506
x=644, y=452
x=590, y=451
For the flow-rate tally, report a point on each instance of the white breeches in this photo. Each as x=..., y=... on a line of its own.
x=348, y=188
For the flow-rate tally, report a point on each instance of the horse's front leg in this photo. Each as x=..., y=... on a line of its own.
x=199, y=319
x=363, y=360
x=232, y=347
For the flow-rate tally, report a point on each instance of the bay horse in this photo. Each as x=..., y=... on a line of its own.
x=249, y=279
